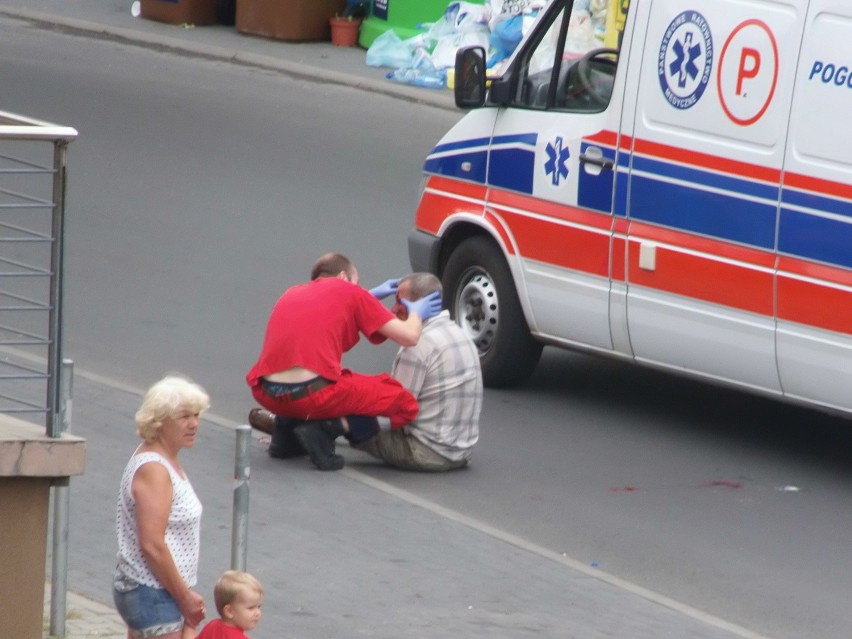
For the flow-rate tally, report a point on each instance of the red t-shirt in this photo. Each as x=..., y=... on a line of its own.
x=216, y=629
x=312, y=325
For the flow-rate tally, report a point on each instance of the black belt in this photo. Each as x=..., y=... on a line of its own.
x=279, y=390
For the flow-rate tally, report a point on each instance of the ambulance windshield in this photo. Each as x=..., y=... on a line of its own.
x=571, y=66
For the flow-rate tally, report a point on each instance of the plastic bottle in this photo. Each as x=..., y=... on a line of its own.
x=429, y=81
x=421, y=73
x=416, y=78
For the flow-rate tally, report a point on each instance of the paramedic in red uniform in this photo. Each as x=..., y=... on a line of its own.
x=299, y=373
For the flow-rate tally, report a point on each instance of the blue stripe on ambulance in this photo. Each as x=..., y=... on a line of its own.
x=595, y=191
x=466, y=159
x=727, y=216
x=809, y=200
x=815, y=237
x=512, y=162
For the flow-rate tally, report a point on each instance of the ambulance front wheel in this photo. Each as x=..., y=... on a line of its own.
x=481, y=297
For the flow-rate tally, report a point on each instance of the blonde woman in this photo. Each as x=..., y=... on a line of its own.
x=159, y=517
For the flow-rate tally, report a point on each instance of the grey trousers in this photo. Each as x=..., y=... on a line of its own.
x=400, y=450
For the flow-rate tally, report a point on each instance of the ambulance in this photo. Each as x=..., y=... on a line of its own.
x=675, y=191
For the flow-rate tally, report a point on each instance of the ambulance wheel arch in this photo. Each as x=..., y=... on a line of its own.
x=481, y=297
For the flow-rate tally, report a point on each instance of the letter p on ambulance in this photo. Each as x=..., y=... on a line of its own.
x=749, y=67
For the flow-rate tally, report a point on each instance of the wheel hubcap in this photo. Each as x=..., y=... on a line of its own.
x=477, y=308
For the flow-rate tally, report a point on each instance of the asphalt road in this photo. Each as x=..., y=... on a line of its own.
x=200, y=190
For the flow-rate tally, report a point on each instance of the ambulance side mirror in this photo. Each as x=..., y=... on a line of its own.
x=470, y=77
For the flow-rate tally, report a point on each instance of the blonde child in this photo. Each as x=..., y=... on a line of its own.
x=239, y=597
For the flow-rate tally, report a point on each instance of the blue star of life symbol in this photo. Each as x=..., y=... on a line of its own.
x=557, y=161
x=686, y=59
x=681, y=66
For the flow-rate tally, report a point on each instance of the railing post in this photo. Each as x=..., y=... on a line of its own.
x=54, y=348
x=242, y=473
x=61, y=499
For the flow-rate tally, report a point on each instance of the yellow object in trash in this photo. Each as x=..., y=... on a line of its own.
x=451, y=78
x=616, y=15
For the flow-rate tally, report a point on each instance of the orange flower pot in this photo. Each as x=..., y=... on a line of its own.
x=344, y=32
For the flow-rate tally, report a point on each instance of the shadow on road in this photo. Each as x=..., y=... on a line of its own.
x=743, y=419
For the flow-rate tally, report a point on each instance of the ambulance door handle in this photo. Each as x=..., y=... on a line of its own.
x=605, y=163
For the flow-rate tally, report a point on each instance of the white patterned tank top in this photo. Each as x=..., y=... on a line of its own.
x=183, y=531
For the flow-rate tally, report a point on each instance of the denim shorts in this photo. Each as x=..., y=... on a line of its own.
x=147, y=611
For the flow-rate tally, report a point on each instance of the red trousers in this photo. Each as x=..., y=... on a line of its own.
x=353, y=394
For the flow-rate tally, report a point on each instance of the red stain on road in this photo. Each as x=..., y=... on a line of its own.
x=623, y=489
x=724, y=483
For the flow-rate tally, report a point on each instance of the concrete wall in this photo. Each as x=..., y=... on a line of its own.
x=23, y=539
x=29, y=464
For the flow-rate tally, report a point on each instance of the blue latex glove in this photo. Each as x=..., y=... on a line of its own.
x=425, y=307
x=385, y=289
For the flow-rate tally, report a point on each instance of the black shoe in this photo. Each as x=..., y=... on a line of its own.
x=333, y=428
x=319, y=444
x=284, y=444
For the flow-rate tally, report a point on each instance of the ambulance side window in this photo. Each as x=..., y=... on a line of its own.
x=567, y=68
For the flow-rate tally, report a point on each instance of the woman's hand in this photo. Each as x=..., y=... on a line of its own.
x=192, y=608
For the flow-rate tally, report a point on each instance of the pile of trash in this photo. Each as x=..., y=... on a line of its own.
x=497, y=25
x=423, y=60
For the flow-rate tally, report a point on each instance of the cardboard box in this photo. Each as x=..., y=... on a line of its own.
x=198, y=12
x=295, y=20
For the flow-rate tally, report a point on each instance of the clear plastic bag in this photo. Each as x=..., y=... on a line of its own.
x=444, y=53
x=388, y=50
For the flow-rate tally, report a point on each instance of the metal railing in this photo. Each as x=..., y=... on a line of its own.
x=32, y=219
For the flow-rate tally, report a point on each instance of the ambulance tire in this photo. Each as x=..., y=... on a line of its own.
x=481, y=297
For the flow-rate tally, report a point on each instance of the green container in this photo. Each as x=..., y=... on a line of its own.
x=402, y=16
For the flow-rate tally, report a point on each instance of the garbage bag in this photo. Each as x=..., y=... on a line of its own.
x=420, y=72
x=444, y=53
x=388, y=50
x=505, y=38
x=500, y=10
x=459, y=17
x=581, y=34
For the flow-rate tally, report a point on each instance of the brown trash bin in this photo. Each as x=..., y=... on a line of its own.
x=293, y=20
x=198, y=12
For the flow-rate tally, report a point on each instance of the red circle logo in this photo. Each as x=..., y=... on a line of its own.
x=748, y=72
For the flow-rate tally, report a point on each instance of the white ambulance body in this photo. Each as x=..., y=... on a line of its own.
x=683, y=200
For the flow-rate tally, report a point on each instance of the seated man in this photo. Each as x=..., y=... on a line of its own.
x=442, y=371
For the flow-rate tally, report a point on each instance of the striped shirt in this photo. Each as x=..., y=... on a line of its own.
x=442, y=371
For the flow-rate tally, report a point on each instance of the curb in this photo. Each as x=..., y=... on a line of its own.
x=85, y=618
